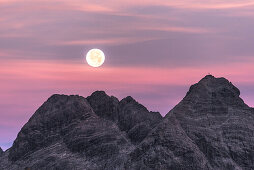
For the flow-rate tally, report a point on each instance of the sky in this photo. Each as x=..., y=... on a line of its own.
x=154, y=51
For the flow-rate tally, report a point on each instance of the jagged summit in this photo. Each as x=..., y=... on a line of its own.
x=128, y=99
x=103, y=105
x=109, y=107
x=99, y=94
x=214, y=116
x=50, y=123
x=61, y=97
x=216, y=90
x=210, y=129
x=211, y=83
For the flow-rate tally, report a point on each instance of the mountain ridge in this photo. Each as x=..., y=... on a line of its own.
x=211, y=128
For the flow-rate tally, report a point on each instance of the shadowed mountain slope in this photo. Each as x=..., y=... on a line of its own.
x=211, y=128
x=214, y=116
x=1, y=151
x=130, y=116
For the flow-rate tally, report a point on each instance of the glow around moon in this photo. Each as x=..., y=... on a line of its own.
x=95, y=57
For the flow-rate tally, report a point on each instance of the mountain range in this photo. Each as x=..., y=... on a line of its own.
x=210, y=129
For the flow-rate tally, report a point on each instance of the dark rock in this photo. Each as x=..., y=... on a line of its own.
x=168, y=147
x=218, y=90
x=219, y=122
x=66, y=126
x=130, y=116
x=49, y=123
x=136, y=120
x=104, y=106
x=1, y=151
x=211, y=128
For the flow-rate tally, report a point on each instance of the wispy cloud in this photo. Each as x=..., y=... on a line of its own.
x=43, y=42
x=179, y=29
x=111, y=41
x=204, y=5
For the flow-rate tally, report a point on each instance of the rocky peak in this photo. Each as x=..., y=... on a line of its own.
x=99, y=94
x=49, y=123
x=128, y=114
x=135, y=119
x=214, y=116
x=129, y=101
x=103, y=105
x=216, y=90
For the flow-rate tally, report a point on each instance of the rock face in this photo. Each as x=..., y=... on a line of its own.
x=104, y=105
x=130, y=116
x=74, y=136
x=214, y=116
x=1, y=151
x=211, y=128
x=136, y=120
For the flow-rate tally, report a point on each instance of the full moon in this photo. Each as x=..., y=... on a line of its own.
x=95, y=57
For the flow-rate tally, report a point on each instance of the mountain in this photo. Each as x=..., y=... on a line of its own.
x=130, y=116
x=210, y=129
x=219, y=122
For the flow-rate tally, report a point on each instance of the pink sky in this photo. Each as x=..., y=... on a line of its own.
x=154, y=51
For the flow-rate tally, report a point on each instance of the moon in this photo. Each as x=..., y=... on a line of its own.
x=95, y=57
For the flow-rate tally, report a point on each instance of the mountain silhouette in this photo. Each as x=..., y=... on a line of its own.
x=1, y=151
x=210, y=129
